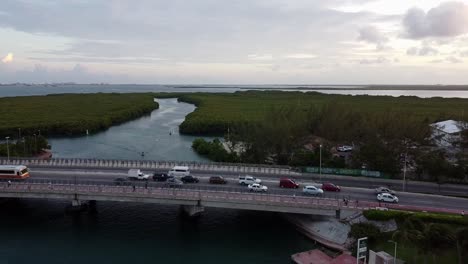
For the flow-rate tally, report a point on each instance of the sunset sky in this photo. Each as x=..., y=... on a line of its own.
x=234, y=42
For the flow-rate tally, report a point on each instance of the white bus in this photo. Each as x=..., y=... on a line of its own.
x=19, y=172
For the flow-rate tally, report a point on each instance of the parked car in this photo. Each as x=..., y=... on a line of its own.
x=312, y=190
x=189, y=179
x=387, y=197
x=383, y=190
x=246, y=180
x=330, y=187
x=288, y=183
x=217, y=180
x=122, y=181
x=257, y=187
x=158, y=176
x=173, y=182
x=344, y=148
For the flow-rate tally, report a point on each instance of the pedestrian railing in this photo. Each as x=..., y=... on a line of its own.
x=153, y=165
x=199, y=193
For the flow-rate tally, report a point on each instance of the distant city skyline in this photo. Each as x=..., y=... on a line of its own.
x=234, y=42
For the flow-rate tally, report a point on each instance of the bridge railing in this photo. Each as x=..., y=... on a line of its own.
x=153, y=165
x=162, y=192
x=200, y=193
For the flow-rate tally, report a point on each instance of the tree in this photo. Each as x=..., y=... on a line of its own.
x=462, y=244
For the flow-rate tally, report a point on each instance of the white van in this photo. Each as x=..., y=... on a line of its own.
x=179, y=171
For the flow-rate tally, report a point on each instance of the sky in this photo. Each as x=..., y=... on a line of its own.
x=234, y=41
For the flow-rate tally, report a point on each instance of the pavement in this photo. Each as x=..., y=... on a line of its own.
x=356, y=195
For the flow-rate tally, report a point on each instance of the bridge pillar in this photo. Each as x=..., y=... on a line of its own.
x=192, y=210
x=76, y=203
x=338, y=214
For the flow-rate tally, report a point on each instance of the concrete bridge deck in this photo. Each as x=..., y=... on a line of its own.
x=193, y=197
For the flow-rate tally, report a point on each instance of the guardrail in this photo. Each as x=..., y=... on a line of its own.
x=153, y=165
x=160, y=192
x=201, y=193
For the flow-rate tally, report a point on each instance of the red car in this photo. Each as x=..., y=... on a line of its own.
x=328, y=186
x=288, y=183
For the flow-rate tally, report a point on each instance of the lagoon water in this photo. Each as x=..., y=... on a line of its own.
x=155, y=136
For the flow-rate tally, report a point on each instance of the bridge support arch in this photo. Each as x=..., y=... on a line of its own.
x=192, y=210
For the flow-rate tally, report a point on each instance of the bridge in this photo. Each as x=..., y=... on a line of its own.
x=79, y=180
x=192, y=200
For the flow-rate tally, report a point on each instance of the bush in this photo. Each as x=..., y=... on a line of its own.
x=368, y=230
x=425, y=217
x=214, y=150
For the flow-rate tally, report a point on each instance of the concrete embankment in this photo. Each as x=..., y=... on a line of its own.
x=327, y=231
x=331, y=232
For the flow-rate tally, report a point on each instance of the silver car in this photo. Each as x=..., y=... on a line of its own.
x=312, y=190
x=384, y=190
x=387, y=197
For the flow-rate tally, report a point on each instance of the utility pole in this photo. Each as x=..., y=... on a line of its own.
x=8, y=149
x=404, y=166
x=24, y=145
x=320, y=169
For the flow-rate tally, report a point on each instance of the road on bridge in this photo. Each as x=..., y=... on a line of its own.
x=107, y=176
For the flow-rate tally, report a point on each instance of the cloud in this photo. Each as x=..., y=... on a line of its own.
x=464, y=53
x=453, y=59
x=372, y=35
x=8, y=58
x=449, y=19
x=424, y=51
x=379, y=60
x=260, y=57
x=300, y=56
x=450, y=59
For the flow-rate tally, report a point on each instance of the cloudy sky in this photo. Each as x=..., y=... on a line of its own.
x=234, y=41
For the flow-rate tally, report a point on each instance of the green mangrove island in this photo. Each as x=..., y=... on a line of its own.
x=70, y=114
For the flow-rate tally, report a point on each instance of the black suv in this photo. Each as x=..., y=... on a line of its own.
x=158, y=176
x=189, y=178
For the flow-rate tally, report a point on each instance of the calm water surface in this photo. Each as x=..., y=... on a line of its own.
x=38, y=231
x=156, y=136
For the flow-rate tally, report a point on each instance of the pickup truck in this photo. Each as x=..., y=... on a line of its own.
x=246, y=180
x=136, y=174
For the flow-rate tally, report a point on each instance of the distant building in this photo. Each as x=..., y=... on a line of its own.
x=448, y=133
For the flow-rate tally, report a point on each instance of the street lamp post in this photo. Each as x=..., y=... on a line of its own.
x=404, y=167
x=35, y=143
x=8, y=148
x=320, y=169
x=24, y=146
x=19, y=133
x=394, y=254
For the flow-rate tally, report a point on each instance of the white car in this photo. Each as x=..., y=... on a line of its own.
x=256, y=187
x=387, y=197
x=312, y=190
x=246, y=180
x=384, y=190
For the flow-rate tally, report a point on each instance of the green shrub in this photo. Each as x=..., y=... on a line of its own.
x=368, y=230
x=379, y=215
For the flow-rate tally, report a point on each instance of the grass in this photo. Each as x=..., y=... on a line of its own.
x=70, y=114
x=410, y=254
x=218, y=111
